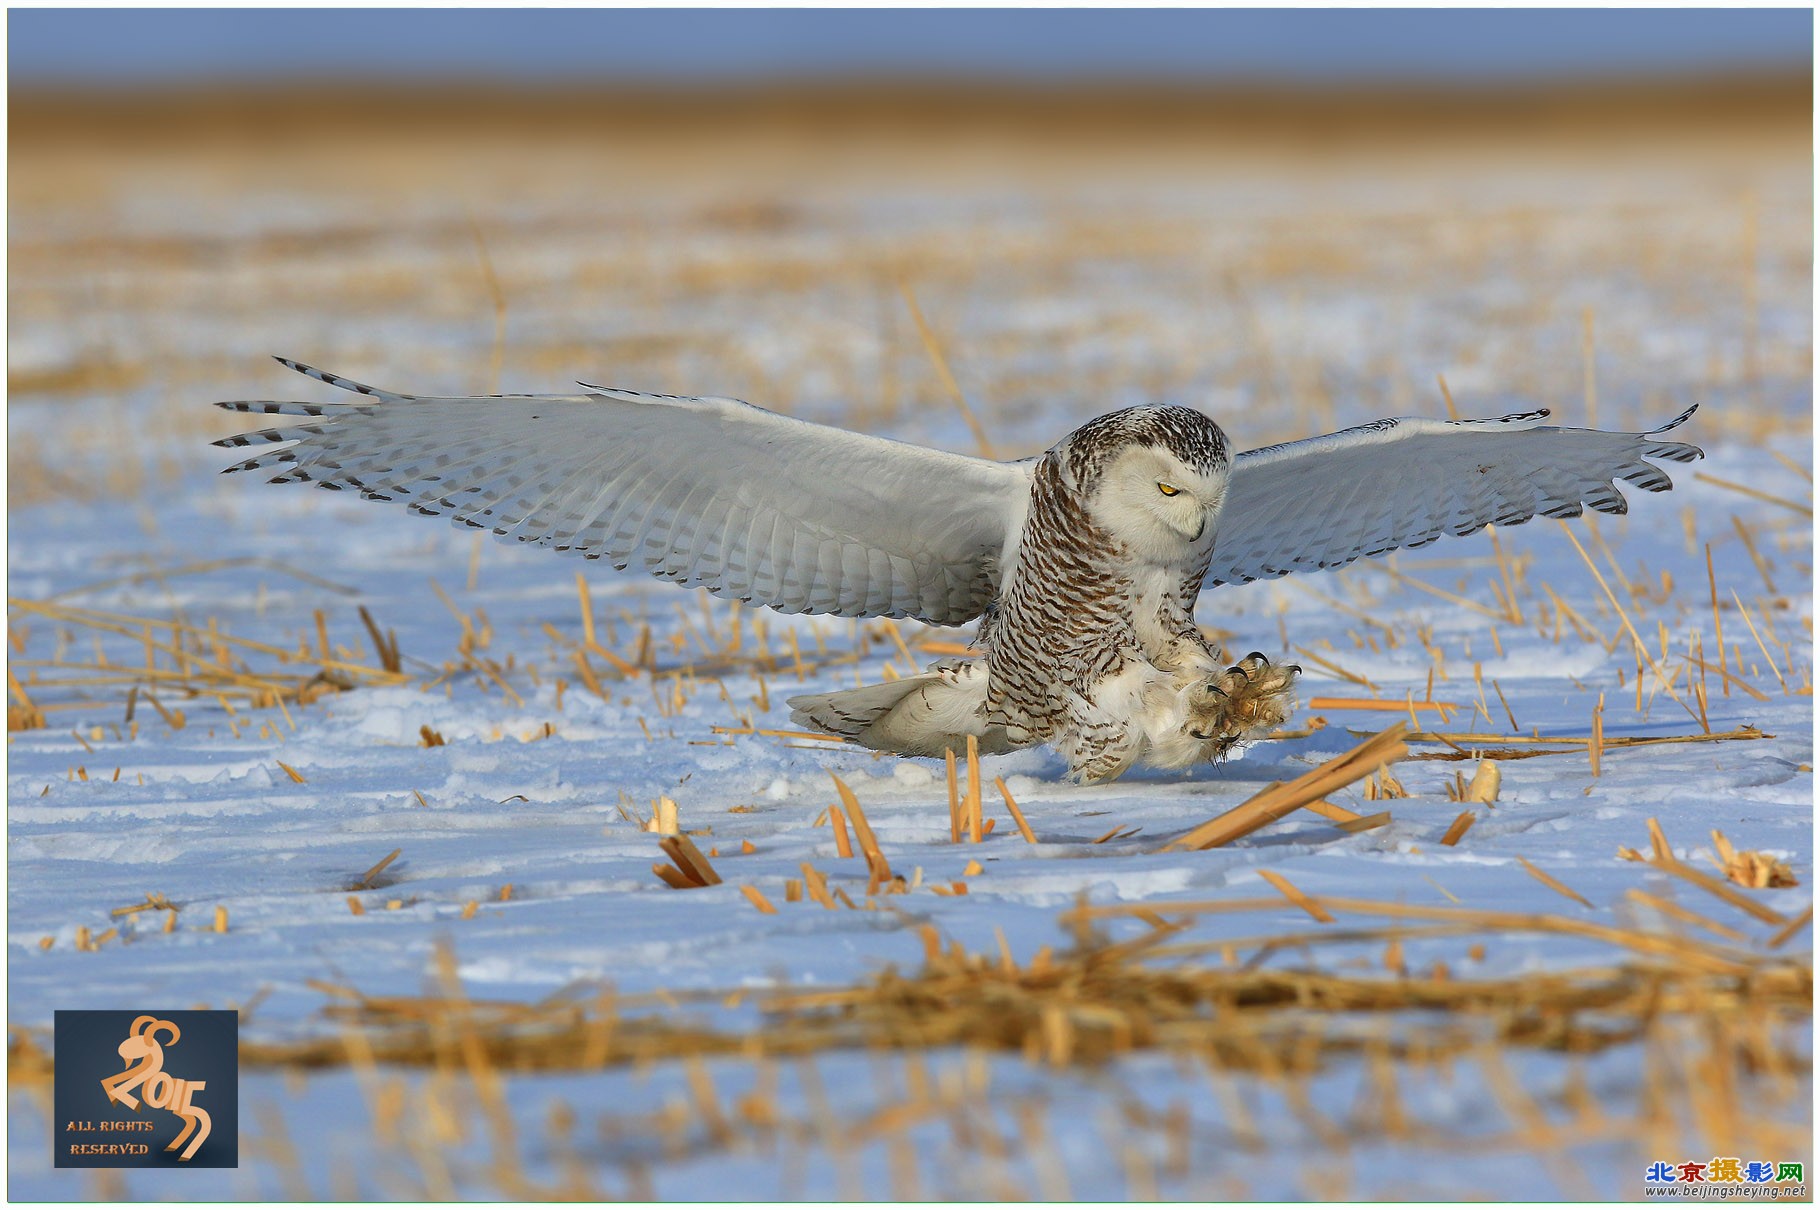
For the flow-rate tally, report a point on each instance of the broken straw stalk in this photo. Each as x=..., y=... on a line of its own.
x=1275, y=802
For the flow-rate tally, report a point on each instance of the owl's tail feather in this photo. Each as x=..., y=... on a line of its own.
x=921, y=715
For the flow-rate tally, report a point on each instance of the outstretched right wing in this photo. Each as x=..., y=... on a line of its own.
x=1321, y=503
x=747, y=503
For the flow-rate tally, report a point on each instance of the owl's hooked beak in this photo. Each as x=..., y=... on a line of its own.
x=1209, y=513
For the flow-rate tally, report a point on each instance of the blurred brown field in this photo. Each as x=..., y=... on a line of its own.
x=758, y=241
x=1265, y=115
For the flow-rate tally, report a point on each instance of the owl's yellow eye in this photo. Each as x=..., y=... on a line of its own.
x=1168, y=489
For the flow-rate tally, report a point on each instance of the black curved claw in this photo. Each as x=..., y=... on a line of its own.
x=1237, y=671
x=1295, y=668
x=1258, y=656
x=1201, y=735
x=1212, y=690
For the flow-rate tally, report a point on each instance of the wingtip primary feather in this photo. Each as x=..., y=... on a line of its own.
x=308, y=371
x=336, y=380
x=627, y=395
x=1673, y=451
x=275, y=407
x=1676, y=423
x=1509, y=418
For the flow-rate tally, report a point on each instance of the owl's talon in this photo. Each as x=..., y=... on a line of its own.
x=1245, y=702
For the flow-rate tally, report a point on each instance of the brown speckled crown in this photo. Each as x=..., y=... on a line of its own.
x=1184, y=432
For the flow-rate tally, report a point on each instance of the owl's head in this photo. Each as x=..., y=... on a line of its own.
x=1155, y=477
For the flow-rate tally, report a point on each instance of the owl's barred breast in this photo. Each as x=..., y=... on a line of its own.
x=1081, y=602
x=1062, y=622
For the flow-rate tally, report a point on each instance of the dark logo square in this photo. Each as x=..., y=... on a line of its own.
x=147, y=1089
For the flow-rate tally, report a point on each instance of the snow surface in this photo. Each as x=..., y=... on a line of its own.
x=207, y=818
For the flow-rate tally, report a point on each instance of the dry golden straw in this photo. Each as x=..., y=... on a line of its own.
x=1328, y=811
x=1552, y=883
x=1373, y=703
x=1748, y=868
x=1663, y=858
x=1103, y=999
x=1791, y=928
x=954, y=799
x=1487, y=740
x=365, y=882
x=862, y=830
x=1017, y=816
x=941, y=368
x=1754, y=494
x=972, y=805
x=691, y=869
x=1275, y=802
x=1295, y=896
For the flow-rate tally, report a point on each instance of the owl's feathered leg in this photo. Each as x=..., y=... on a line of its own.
x=1189, y=653
x=1169, y=717
x=1098, y=744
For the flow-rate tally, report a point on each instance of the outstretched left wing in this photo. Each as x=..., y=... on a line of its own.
x=805, y=518
x=1321, y=503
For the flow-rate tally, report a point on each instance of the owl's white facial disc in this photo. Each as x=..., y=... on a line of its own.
x=1158, y=504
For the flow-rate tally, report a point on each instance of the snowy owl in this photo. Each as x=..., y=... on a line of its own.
x=1083, y=564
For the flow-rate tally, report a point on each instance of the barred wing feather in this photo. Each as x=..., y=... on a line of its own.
x=702, y=491
x=1397, y=483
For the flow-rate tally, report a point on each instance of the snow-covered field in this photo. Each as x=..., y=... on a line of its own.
x=1282, y=302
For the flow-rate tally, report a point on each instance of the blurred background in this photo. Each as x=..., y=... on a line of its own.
x=1301, y=217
